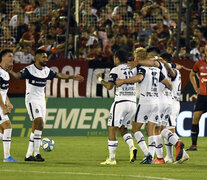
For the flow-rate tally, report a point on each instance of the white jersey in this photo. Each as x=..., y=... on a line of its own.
x=176, y=82
x=125, y=91
x=4, y=85
x=149, y=85
x=36, y=81
x=165, y=93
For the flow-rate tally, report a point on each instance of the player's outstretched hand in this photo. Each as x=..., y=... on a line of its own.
x=132, y=64
x=6, y=110
x=78, y=77
x=99, y=75
x=10, y=106
x=119, y=82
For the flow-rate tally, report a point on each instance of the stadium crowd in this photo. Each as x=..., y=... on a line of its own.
x=104, y=27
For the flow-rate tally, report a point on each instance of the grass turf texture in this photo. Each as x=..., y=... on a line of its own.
x=79, y=158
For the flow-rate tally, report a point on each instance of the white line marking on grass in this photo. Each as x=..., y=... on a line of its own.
x=85, y=174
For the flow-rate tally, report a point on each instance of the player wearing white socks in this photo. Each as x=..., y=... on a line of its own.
x=148, y=107
x=123, y=107
x=36, y=76
x=6, y=62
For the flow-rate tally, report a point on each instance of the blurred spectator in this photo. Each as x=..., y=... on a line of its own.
x=194, y=53
x=24, y=55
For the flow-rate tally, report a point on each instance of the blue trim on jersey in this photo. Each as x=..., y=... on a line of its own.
x=173, y=78
x=137, y=113
x=36, y=81
x=30, y=106
x=162, y=76
x=117, y=102
x=4, y=84
x=169, y=120
x=112, y=78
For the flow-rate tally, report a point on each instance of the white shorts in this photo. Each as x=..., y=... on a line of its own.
x=165, y=113
x=147, y=112
x=174, y=114
x=36, y=108
x=121, y=113
x=3, y=118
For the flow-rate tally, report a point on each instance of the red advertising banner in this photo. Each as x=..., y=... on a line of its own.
x=57, y=87
x=91, y=87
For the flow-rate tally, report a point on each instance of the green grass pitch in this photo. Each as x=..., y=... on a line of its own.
x=77, y=158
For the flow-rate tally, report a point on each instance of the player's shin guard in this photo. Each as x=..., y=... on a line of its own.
x=141, y=142
x=169, y=149
x=7, y=142
x=112, y=145
x=128, y=139
x=194, y=133
x=31, y=146
x=37, y=140
x=151, y=144
x=167, y=134
x=159, y=146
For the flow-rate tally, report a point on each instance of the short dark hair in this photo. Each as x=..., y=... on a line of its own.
x=4, y=52
x=153, y=48
x=122, y=55
x=40, y=51
x=166, y=56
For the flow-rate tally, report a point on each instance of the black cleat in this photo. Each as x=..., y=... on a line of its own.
x=30, y=158
x=192, y=148
x=39, y=158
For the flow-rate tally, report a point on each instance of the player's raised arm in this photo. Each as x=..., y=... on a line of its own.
x=16, y=75
x=76, y=77
x=107, y=85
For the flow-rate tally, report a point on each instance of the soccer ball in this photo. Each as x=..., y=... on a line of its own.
x=47, y=144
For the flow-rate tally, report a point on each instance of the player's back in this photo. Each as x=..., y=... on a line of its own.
x=149, y=85
x=176, y=82
x=125, y=91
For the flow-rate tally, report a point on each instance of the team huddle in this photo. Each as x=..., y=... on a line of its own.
x=160, y=89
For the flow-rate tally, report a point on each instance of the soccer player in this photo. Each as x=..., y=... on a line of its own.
x=148, y=107
x=6, y=61
x=165, y=99
x=201, y=103
x=36, y=76
x=123, y=107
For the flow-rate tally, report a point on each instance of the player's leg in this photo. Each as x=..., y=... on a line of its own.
x=30, y=149
x=158, y=146
x=150, y=128
x=112, y=145
x=173, y=139
x=38, y=127
x=195, y=130
x=1, y=133
x=7, y=131
x=36, y=111
x=129, y=140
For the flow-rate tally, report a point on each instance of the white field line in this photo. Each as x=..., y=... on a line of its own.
x=85, y=174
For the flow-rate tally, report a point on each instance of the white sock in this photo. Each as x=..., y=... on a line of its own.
x=7, y=142
x=167, y=134
x=169, y=149
x=112, y=145
x=31, y=146
x=141, y=142
x=129, y=140
x=159, y=146
x=1, y=136
x=37, y=140
x=151, y=144
x=176, y=136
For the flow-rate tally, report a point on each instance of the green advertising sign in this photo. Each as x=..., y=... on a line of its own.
x=65, y=117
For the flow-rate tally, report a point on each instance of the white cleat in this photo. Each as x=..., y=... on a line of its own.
x=184, y=158
x=168, y=160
